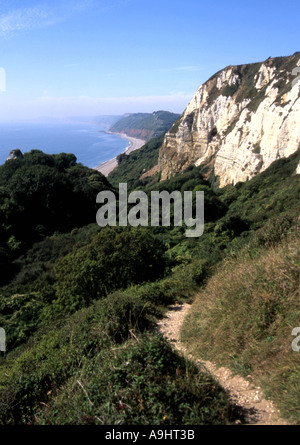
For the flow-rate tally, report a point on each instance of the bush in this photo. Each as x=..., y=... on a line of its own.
x=20, y=316
x=115, y=259
x=41, y=194
x=274, y=230
x=124, y=313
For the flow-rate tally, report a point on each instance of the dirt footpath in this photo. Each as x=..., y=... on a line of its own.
x=254, y=409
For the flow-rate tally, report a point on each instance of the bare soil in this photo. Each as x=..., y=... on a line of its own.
x=251, y=408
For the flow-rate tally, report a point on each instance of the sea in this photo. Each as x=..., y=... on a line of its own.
x=87, y=141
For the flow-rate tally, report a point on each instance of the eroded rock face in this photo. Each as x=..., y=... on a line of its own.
x=238, y=122
x=15, y=154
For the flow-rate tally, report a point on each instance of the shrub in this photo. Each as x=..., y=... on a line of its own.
x=143, y=382
x=115, y=259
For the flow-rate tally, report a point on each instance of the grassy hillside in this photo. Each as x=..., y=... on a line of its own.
x=145, y=125
x=80, y=306
x=244, y=317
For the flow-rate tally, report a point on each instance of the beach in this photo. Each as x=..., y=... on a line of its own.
x=108, y=166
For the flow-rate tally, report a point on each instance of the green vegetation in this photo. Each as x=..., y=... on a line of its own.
x=79, y=303
x=244, y=88
x=132, y=166
x=175, y=126
x=244, y=317
x=114, y=259
x=284, y=83
x=40, y=195
x=145, y=125
x=78, y=374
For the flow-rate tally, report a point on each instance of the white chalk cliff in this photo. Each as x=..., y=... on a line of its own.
x=238, y=122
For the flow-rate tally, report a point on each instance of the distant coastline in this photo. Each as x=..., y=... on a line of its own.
x=108, y=166
x=87, y=141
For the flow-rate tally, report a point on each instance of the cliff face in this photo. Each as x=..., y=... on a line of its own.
x=238, y=122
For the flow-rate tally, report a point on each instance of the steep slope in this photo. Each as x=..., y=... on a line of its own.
x=238, y=122
x=145, y=125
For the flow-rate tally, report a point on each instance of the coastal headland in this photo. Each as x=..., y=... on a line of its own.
x=108, y=166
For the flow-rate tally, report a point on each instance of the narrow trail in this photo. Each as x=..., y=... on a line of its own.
x=252, y=407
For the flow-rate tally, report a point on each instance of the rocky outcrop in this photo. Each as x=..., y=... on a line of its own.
x=238, y=122
x=15, y=154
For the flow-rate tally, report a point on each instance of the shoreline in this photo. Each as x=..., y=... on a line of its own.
x=108, y=166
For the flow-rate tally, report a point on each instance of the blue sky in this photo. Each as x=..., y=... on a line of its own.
x=91, y=57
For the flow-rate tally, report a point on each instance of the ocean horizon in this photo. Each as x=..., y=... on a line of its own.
x=87, y=141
